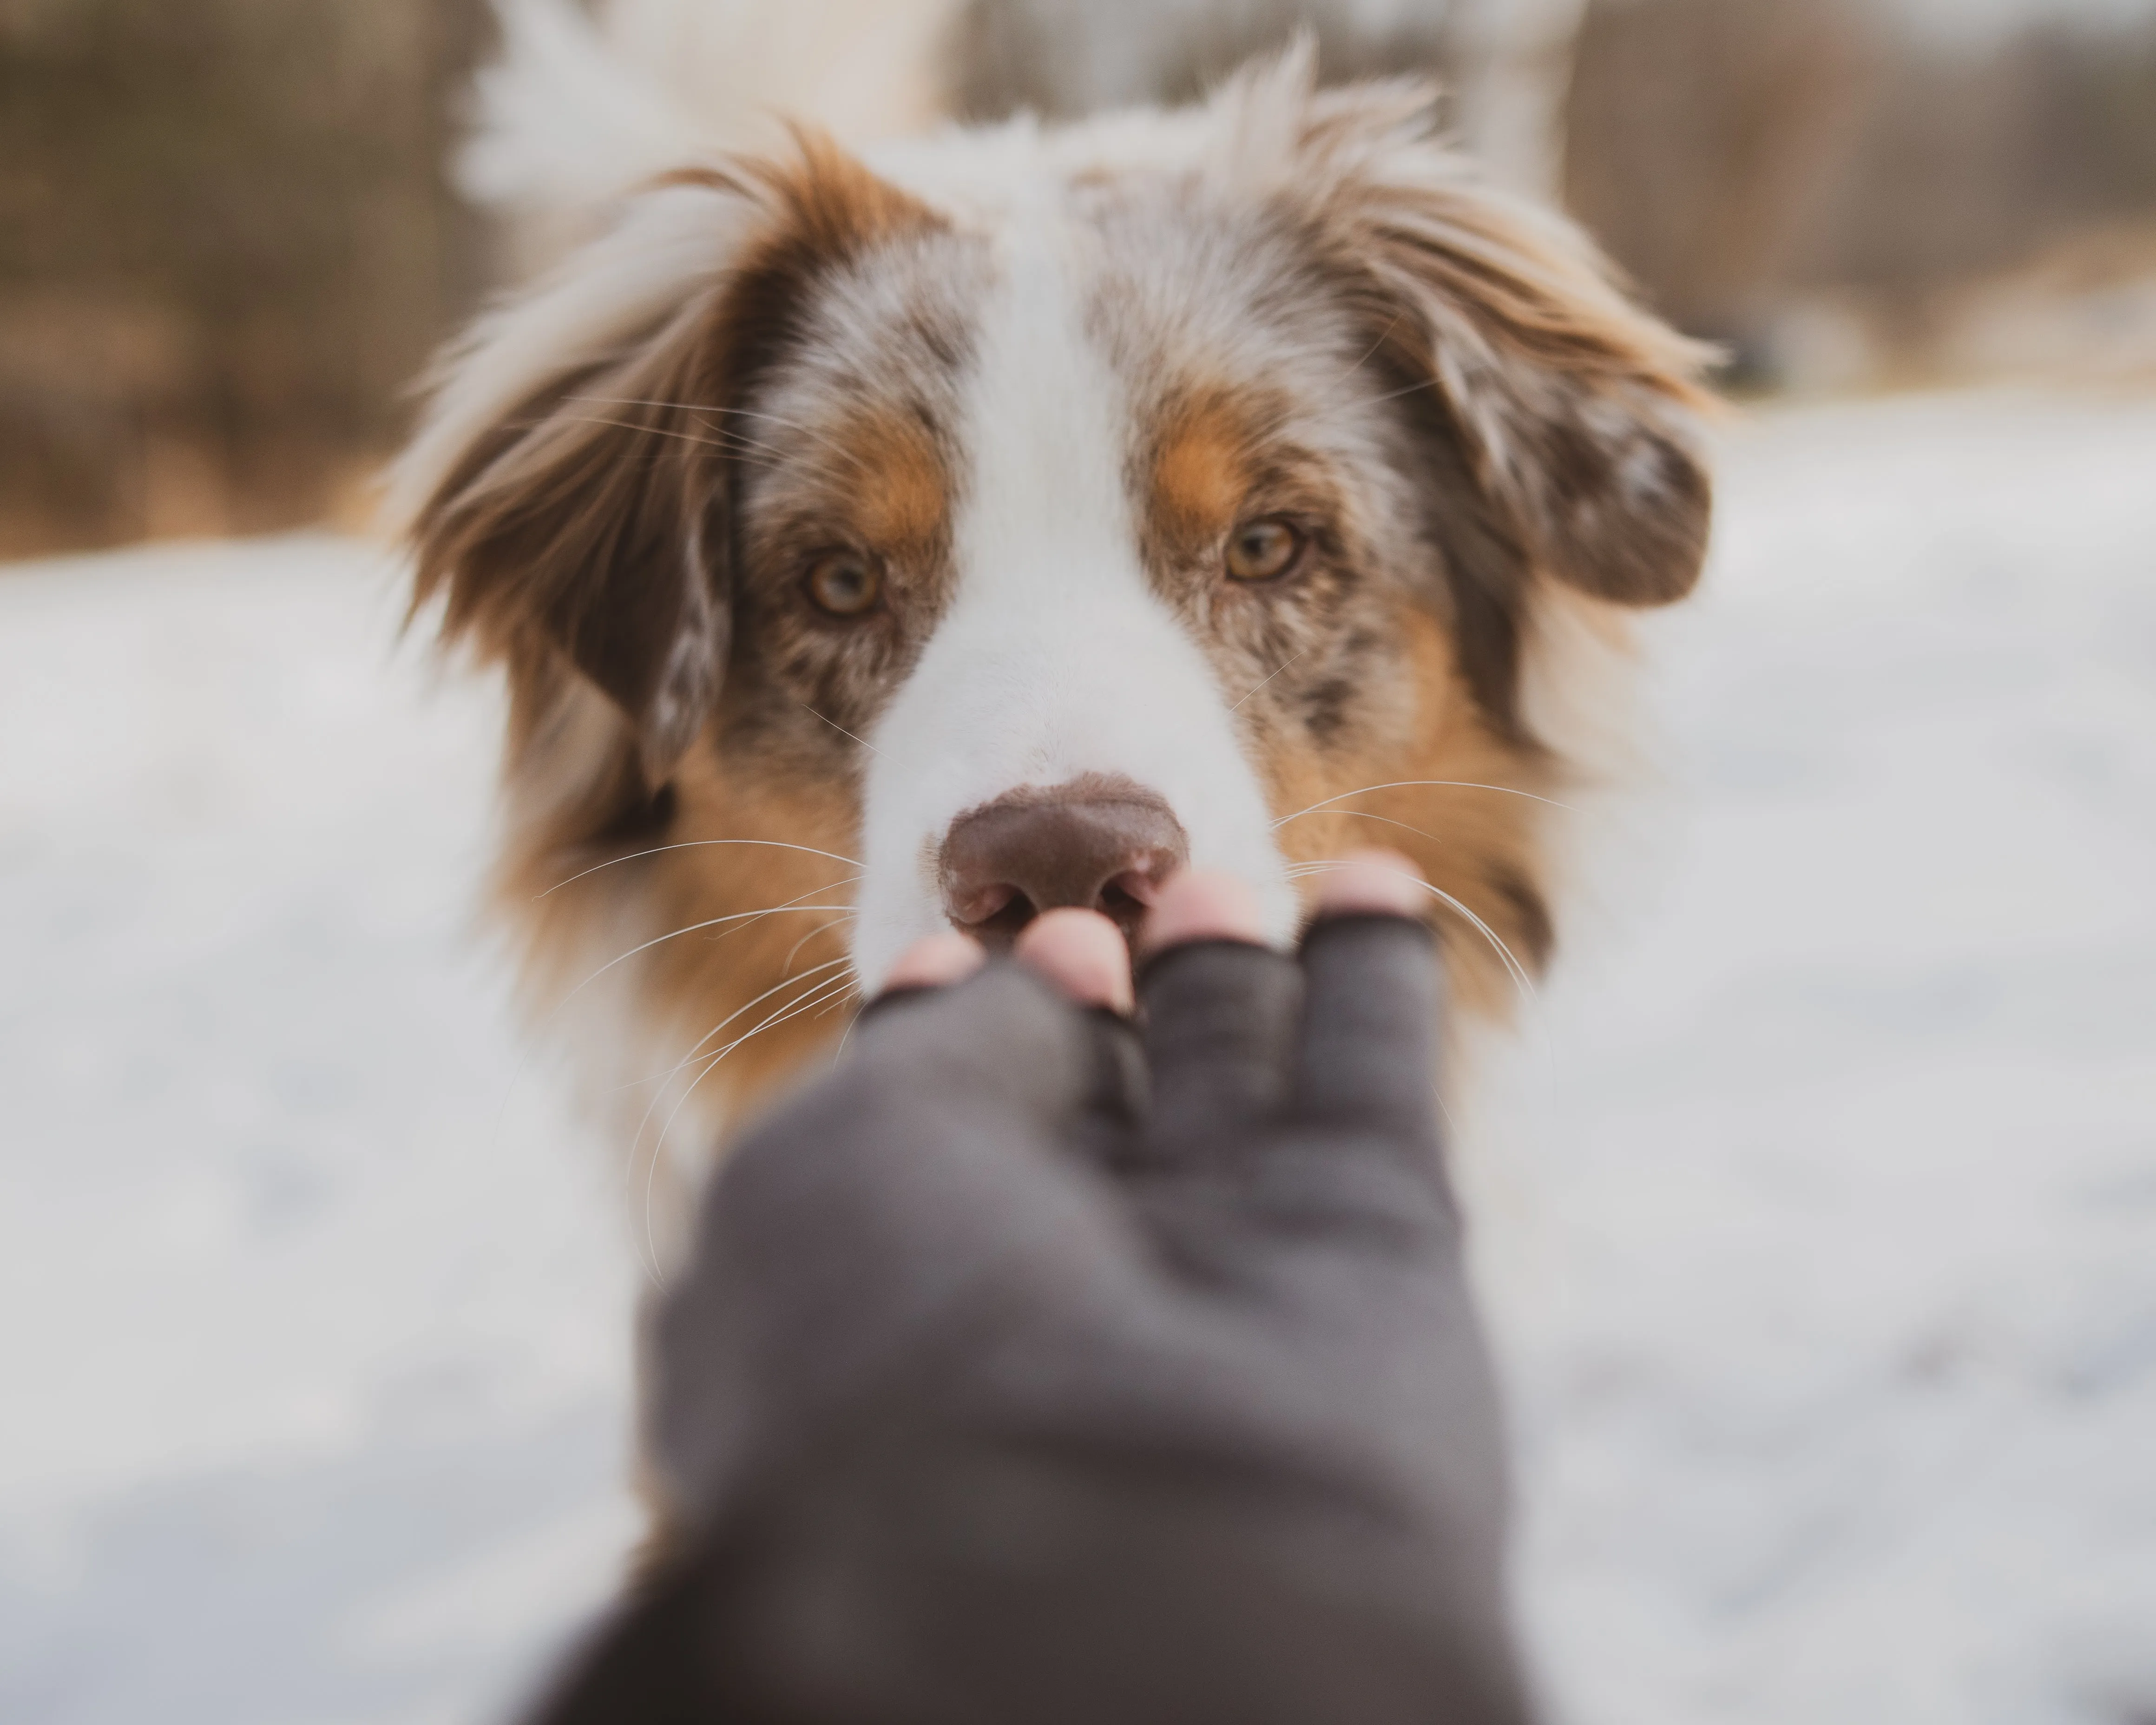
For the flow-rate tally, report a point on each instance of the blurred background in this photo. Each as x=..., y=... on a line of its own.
x=229, y=237
x=1821, y=1238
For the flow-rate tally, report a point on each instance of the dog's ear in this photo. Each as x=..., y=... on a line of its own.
x=1576, y=414
x=1556, y=427
x=591, y=523
x=566, y=497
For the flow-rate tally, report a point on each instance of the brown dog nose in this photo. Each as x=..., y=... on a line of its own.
x=1103, y=844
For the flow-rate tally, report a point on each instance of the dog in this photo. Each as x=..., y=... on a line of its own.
x=880, y=542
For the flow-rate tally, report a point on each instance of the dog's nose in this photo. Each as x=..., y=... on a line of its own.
x=1102, y=843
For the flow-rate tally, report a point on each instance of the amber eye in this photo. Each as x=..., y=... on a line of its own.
x=1264, y=550
x=844, y=583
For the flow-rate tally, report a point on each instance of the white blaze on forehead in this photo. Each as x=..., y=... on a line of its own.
x=1056, y=658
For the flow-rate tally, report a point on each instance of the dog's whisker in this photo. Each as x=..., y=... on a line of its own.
x=804, y=980
x=845, y=1037
x=754, y=452
x=1305, y=654
x=751, y=1006
x=1288, y=416
x=792, y=1009
x=738, y=441
x=1411, y=388
x=1404, y=784
x=1521, y=977
x=817, y=992
x=636, y=1141
x=660, y=1077
x=851, y=862
x=1384, y=337
x=843, y=732
x=813, y=992
x=1386, y=819
x=834, y=1005
x=791, y=904
x=845, y=910
x=692, y=407
x=846, y=913
x=821, y=928
x=673, y=934
x=1519, y=972
x=830, y=443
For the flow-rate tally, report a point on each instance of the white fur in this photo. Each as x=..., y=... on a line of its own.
x=576, y=111
x=862, y=69
x=1055, y=658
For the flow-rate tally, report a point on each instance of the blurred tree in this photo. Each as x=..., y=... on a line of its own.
x=1703, y=135
x=1741, y=158
x=1062, y=60
x=1515, y=73
x=225, y=247
x=1965, y=163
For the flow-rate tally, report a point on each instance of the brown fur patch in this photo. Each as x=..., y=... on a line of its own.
x=827, y=209
x=574, y=544
x=902, y=502
x=1578, y=413
x=570, y=534
x=1444, y=794
x=1201, y=467
x=754, y=969
x=833, y=203
x=742, y=975
x=734, y=984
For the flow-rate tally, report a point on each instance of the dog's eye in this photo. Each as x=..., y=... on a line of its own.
x=844, y=583
x=1265, y=550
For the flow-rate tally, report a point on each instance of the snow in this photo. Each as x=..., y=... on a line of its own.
x=312, y=1310
x=1824, y=1261
x=1845, y=1407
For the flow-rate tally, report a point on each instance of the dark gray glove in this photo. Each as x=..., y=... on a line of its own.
x=1002, y=1390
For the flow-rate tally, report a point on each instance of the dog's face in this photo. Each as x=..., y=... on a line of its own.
x=873, y=552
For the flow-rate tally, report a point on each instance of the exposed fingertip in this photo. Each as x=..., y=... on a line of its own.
x=936, y=960
x=1372, y=882
x=1203, y=905
x=1083, y=953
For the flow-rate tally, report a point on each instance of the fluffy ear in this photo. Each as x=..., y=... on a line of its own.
x=1578, y=415
x=566, y=499
x=568, y=495
x=1556, y=428
x=1567, y=415
x=593, y=523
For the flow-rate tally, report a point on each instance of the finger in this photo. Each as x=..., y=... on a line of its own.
x=1367, y=1056
x=1204, y=904
x=1219, y=1008
x=949, y=1165
x=1083, y=953
x=959, y=1052
x=936, y=961
x=1375, y=881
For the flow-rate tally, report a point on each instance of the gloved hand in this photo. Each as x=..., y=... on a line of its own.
x=1035, y=1368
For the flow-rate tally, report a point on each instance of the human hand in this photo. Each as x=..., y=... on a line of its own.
x=1032, y=1331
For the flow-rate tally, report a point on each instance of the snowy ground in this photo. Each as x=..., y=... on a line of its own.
x=1826, y=1273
